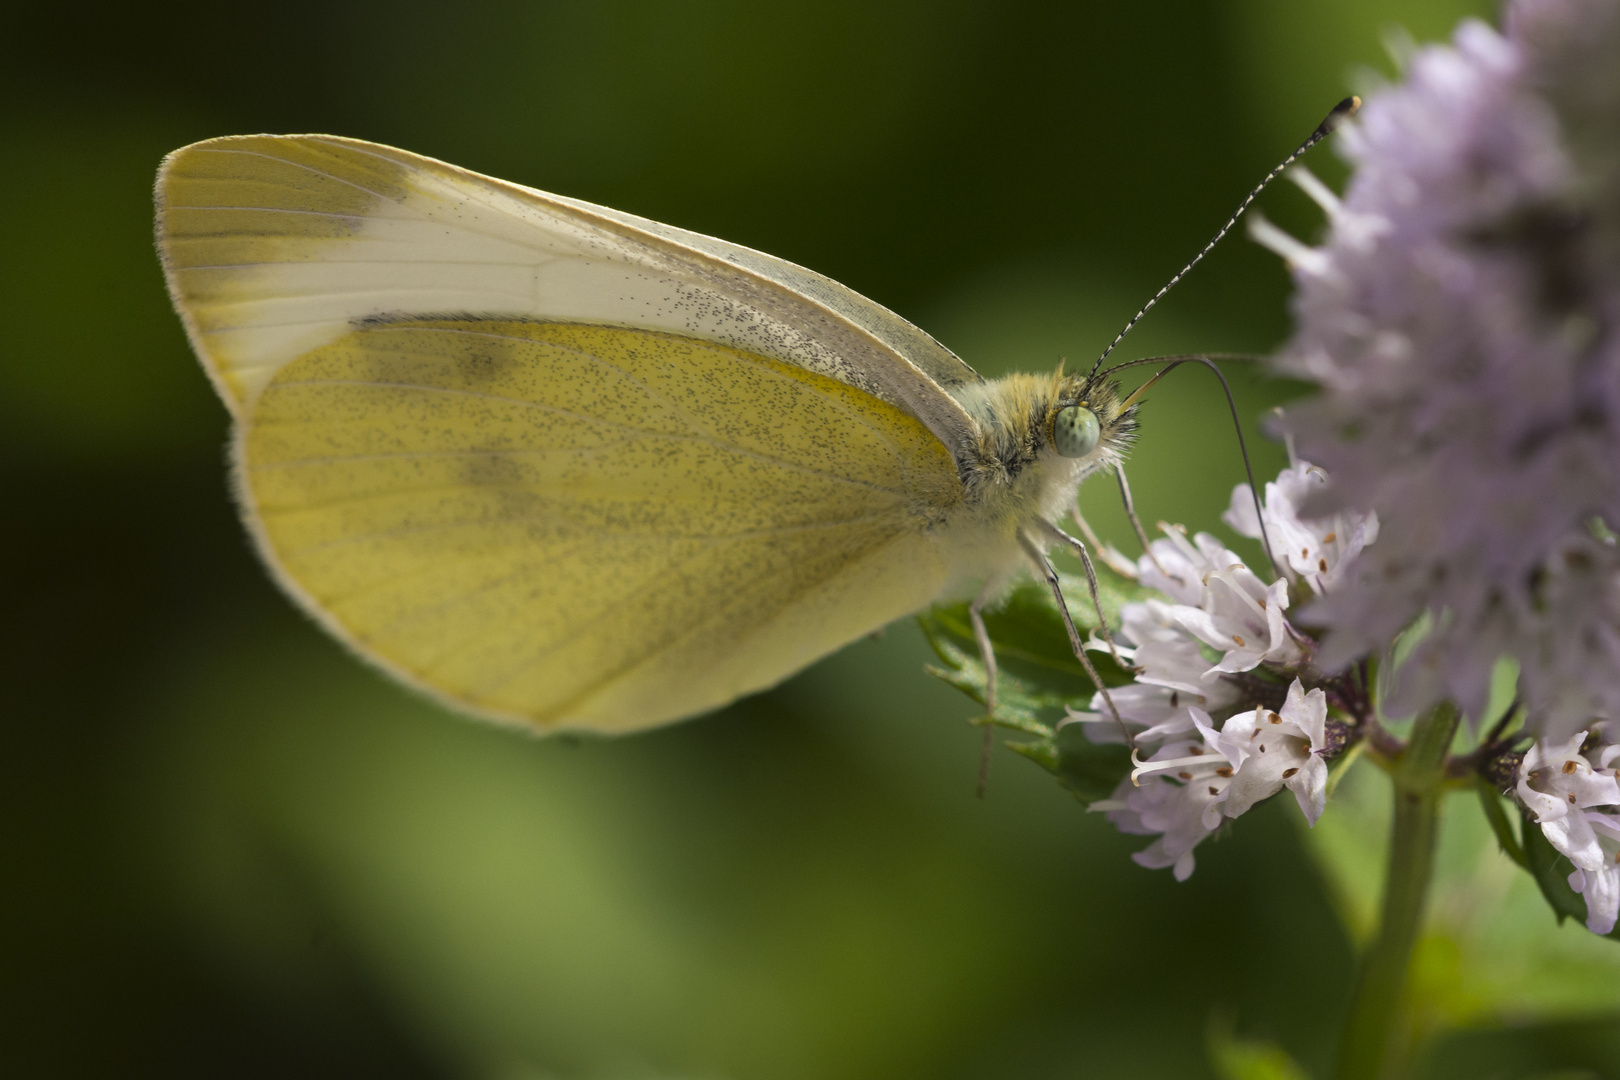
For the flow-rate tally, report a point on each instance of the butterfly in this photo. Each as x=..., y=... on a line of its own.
x=567, y=467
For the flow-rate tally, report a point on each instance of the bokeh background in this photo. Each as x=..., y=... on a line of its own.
x=228, y=849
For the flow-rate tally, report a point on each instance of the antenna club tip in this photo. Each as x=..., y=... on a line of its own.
x=1343, y=111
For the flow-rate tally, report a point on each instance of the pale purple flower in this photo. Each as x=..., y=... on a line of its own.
x=1573, y=793
x=1172, y=803
x=1242, y=615
x=1318, y=550
x=1178, y=566
x=1220, y=601
x=1172, y=674
x=1273, y=750
x=1600, y=887
x=1462, y=321
x=1558, y=784
x=1200, y=760
x=1222, y=606
x=1201, y=777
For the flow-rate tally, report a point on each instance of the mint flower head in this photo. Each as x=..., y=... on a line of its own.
x=1199, y=777
x=1218, y=717
x=1462, y=322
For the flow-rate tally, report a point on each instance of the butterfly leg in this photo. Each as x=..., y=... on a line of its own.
x=1079, y=549
x=1136, y=522
x=1047, y=571
x=987, y=654
x=1108, y=553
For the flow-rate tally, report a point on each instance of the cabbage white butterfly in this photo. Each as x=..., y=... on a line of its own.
x=563, y=466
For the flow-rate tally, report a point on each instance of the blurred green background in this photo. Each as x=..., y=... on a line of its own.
x=231, y=850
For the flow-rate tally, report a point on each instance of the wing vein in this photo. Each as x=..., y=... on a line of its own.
x=307, y=168
x=354, y=262
x=281, y=210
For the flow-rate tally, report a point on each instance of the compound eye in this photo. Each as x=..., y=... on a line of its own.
x=1076, y=431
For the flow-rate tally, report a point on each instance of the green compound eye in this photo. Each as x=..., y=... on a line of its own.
x=1075, y=431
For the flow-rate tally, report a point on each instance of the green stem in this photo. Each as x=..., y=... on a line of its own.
x=1376, y=1038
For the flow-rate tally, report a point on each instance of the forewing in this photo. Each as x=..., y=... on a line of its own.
x=275, y=245
x=586, y=526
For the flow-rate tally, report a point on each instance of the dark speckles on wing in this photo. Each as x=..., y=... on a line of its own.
x=521, y=513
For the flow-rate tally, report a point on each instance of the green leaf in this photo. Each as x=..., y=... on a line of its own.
x=1042, y=752
x=1031, y=643
x=1551, y=871
x=1342, y=763
x=1038, y=676
x=1020, y=705
x=1235, y=1058
x=1091, y=770
x=1491, y=800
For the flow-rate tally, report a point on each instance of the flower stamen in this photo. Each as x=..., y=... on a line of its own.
x=1144, y=768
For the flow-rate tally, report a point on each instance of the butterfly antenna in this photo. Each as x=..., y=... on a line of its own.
x=1342, y=111
x=1173, y=362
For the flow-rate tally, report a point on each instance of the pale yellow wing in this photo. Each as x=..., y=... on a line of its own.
x=587, y=526
x=275, y=245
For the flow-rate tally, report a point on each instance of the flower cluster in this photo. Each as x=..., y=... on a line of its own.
x=1217, y=713
x=1571, y=788
x=1316, y=552
x=1462, y=321
x=1198, y=778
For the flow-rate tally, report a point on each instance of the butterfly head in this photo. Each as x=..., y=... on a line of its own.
x=1038, y=430
x=1088, y=418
